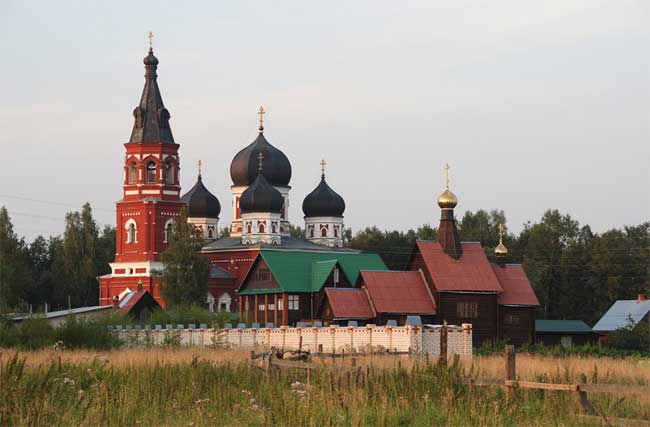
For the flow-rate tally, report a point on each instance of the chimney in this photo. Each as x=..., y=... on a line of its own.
x=640, y=297
x=116, y=302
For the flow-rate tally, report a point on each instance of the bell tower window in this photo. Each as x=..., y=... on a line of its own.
x=151, y=172
x=131, y=231
x=133, y=173
x=168, y=231
x=169, y=173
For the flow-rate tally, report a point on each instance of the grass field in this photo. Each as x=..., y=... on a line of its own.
x=191, y=387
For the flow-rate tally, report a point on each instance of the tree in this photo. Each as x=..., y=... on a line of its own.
x=15, y=275
x=482, y=227
x=184, y=278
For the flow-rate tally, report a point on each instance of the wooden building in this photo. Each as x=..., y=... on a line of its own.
x=564, y=332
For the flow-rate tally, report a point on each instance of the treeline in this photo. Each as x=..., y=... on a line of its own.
x=576, y=273
x=59, y=270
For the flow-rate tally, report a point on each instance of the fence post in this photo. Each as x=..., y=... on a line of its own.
x=443, y=344
x=585, y=405
x=510, y=369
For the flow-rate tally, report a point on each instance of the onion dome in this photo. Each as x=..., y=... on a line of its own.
x=261, y=196
x=277, y=169
x=501, y=250
x=200, y=202
x=447, y=200
x=323, y=201
x=150, y=59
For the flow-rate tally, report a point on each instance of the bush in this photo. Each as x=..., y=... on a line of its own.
x=35, y=332
x=81, y=333
x=631, y=338
x=187, y=315
x=8, y=333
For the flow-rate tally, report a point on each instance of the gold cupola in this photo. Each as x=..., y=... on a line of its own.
x=447, y=200
x=501, y=249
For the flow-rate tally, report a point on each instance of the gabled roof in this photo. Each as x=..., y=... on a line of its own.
x=132, y=298
x=561, y=326
x=216, y=272
x=470, y=273
x=288, y=244
x=349, y=303
x=398, y=292
x=619, y=315
x=516, y=287
x=298, y=271
x=62, y=313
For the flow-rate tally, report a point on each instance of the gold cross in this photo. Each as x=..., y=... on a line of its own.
x=150, y=37
x=260, y=157
x=447, y=176
x=323, y=163
x=261, y=113
x=200, y=165
x=500, y=233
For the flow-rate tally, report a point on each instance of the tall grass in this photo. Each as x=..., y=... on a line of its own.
x=199, y=391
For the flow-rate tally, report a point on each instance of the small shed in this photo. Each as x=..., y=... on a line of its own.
x=563, y=332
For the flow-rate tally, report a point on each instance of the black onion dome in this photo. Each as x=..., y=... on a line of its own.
x=150, y=59
x=323, y=201
x=277, y=169
x=200, y=202
x=261, y=196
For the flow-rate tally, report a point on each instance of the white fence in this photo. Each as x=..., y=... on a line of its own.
x=333, y=339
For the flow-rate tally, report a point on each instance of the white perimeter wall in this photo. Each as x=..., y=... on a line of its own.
x=335, y=339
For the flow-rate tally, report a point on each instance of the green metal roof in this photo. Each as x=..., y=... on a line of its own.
x=260, y=291
x=562, y=326
x=302, y=271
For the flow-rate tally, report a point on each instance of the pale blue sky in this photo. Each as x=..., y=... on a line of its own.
x=534, y=104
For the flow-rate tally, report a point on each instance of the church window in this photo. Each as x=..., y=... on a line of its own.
x=169, y=173
x=467, y=310
x=249, y=228
x=274, y=228
x=151, y=172
x=210, y=233
x=132, y=173
x=294, y=302
x=168, y=231
x=323, y=232
x=261, y=228
x=131, y=232
x=311, y=232
x=336, y=232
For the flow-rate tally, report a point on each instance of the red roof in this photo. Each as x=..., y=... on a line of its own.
x=516, y=287
x=349, y=303
x=131, y=299
x=470, y=273
x=398, y=292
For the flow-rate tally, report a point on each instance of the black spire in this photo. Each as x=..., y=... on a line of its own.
x=151, y=117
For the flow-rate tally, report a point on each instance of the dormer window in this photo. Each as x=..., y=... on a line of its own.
x=133, y=173
x=151, y=172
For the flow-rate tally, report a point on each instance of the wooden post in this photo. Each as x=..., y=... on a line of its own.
x=585, y=405
x=510, y=369
x=285, y=309
x=256, y=308
x=266, y=309
x=353, y=362
x=443, y=344
x=275, y=310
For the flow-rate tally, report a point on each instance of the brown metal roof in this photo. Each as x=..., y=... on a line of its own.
x=349, y=303
x=398, y=292
x=516, y=287
x=470, y=273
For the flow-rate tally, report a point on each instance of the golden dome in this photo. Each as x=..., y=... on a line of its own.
x=501, y=250
x=447, y=200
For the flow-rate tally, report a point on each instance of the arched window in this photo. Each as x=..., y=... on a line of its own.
x=169, y=173
x=311, y=232
x=336, y=231
x=323, y=232
x=198, y=232
x=133, y=173
x=151, y=172
x=131, y=231
x=249, y=228
x=274, y=228
x=168, y=230
x=261, y=228
x=210, y=233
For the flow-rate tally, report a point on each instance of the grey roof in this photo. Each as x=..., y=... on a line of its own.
x=288, y=244
x=619, y=315
x=561, y=326
x=61, y=313
x=219, y=273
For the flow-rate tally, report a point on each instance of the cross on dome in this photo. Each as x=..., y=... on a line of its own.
x=323, y=163
x=261, y=113
x=150, y=37
x=200, y=166
x=447, y=176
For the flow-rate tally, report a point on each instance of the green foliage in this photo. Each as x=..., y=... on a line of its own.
x=584, y=350
x=35, y=332
x=631, y=338
x=15, y=279
x=185, y=315
x=184, y=279
x=82, y=333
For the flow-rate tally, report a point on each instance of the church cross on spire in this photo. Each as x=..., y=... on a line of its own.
x=199, y=164
x=447, y=176
x=260, y=157
x=261, y=113
x=501, y=233
x=150, y=37
x=323, y=163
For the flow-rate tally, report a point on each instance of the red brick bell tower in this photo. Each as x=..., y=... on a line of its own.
x=151, y=198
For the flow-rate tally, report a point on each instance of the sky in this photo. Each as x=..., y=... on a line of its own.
x=535, y=105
